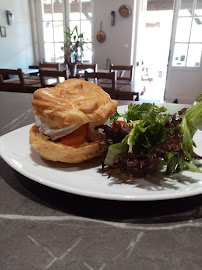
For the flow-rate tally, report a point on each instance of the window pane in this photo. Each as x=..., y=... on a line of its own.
x=186, y=8
x=194, y=55
x=196, y=32
x=48, y=31
x=58, y=31
x=87, y=53
x=179, y=55
x=72, y=24
x=183, y=29
x=47, y=10
x=49, y=52
x=86, y=29
x=74, y=10
x=198, y=10
x=57, y=10
x=59, y=54
x=86, y=10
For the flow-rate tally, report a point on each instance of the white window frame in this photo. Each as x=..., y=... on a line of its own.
x=80, y=20
x=66, y=22
x=51, y=21
x=175, y=20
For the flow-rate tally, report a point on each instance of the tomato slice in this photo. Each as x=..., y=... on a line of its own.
x=120, y=122
x=77, y=137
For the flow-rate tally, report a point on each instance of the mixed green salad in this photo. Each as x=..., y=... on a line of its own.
x=147, y=137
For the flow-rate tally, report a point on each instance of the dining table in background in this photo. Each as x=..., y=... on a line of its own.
x=45, y=228
x=29, y=71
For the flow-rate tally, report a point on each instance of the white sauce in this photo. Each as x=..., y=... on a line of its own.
x=53, y=133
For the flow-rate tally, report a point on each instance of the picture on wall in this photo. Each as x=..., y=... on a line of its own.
x=3, y=31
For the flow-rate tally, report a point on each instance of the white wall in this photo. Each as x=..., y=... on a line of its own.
x=16, y=49
x=184, y=85
x=117, y=45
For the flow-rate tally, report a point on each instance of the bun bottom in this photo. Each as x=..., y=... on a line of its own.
x=58, y=152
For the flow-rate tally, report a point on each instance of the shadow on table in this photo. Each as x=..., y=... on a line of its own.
x=165, y=211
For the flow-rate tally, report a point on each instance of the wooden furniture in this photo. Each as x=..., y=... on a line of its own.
x=81, y=68
x=98, y=77
x=16, y=84
x=49, y=65
x=122, y=70
x=30, y=71
x=50, y=78
x=31, y=74
x=87, y=66
x=133, y=96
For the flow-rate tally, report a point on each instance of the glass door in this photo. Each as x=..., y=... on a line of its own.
x=80, y=15
x=56, y=16
x=184, y=70
x=154, y=34
x=53, y=30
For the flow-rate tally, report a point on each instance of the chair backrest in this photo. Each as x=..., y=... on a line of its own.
x=15, y=84
x=98, y=77
x=87, y=66
x=49, y=65
x=122, y=70
x=134, y=96
x=47, y=74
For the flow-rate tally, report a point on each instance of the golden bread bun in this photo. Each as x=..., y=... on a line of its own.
x=73, y=101
x=58, y=152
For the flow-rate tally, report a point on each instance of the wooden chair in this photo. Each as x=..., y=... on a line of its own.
x=49, y=65
x=13, y=84
x=122, y=70
x=87, y=66
x=134, y=96
x=97, y=78
x=81, y=68
x=47, y=77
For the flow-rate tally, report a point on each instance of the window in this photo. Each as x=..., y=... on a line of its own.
x=53, y=30
x=81, y=15
x=53, y=17
x=188, y=38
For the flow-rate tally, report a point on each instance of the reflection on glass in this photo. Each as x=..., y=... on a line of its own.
x=180, y=55
x=48, y=31
x=194, y=55
x=183, y=29
x=85, y=10
x=47, y=11
x=87, y=53
x=58, y=32
x=57, y=10
x=74, y=10
x=198, y=10
x=186, y=8
x=86, y=29
x=72, y=24
x=49, y=52
x=196, y=33
x=59, y=54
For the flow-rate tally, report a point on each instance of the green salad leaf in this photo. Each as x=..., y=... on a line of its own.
x=149, y=129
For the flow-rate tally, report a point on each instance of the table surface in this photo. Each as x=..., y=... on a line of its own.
x=43, y=228
x=29, y=70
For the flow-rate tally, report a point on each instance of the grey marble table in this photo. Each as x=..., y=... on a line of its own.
x=43, y=228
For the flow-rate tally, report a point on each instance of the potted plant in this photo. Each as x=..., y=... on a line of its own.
x=73, y=48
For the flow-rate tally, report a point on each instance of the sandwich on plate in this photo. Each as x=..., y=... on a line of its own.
x=66, y=119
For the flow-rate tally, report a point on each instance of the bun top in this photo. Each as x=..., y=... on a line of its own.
x=73, y=101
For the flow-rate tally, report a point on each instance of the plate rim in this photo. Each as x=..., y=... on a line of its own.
x=97, y=195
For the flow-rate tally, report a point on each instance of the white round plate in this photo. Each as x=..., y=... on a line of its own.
x=86, y=179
